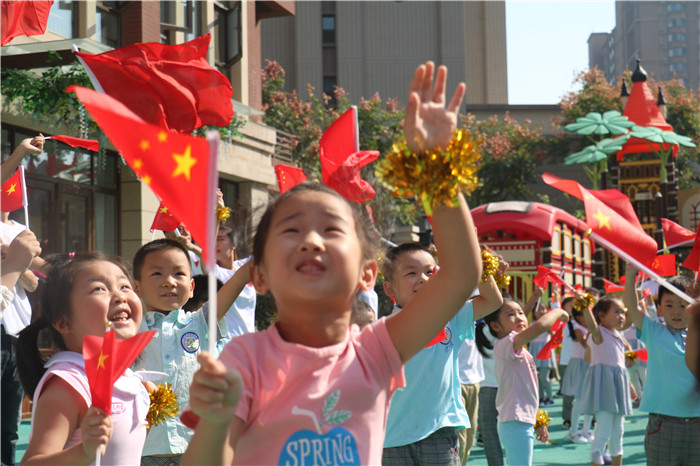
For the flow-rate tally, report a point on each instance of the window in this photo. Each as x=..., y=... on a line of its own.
x=676, y=37
x=61, y=19
x=675, y=22
x=677, y=67
x=328, y=25
x=182, y=16
x=675, y=6
x=108, y=23
x=228, y=33
x=676, y=52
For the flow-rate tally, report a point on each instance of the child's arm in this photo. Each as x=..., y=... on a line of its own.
x=529, y=306
x=56, y=417
x=214, y=396
x=630, y=297
x=430, y=124
x=231, y=289
x=17, y=256
x=692, y=341
x=27, y=146
x=489, y=299
x=594, y=331
x=538, y=327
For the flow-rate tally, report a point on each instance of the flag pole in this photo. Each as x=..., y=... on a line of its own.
x=650, y=273
x=210, y=259
x=25, y=204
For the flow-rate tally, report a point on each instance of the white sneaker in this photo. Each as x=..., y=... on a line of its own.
x=576, y=437
x=588, y=436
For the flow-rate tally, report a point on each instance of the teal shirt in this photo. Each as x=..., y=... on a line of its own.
x=432, y=397
x=670, y=386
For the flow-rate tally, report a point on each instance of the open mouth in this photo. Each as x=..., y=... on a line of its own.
x=121, y=316
x=311, y=267
x=172, y=294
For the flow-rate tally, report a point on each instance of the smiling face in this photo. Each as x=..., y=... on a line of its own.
x=673, y=309
x=165, y=280
x=101, y=293
x=312, y=254
x=511, y=317
x=411, y=270
x=224, y=245
x=614, y=318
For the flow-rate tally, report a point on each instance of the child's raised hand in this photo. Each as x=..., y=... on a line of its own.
x=542, y=433
x=428, y=123
x=95, y=430
x=215, y=391
x=693, y=290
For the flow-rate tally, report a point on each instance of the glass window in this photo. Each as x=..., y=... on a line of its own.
x=328, y=25
x=676, y=37
x=675, y=6
x=678, y=67
x=676, y=52
x=106, y=173
x=676, y=22
x=106, y=215
x=6, y=144
x=108, y=24
x=228, y=34
x=61, y=18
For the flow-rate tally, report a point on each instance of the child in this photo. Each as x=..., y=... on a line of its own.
x=670, y=398
x=164, y=283
x=692, y=344
x=606, y=386
x=314, y=389
x=573, y=380
x=488, y=414
x=426, y=414
x=81, y=296
x=517, y=397
x=543, y=365
x=567, y=349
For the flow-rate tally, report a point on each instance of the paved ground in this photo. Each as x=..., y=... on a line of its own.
x=558, y=451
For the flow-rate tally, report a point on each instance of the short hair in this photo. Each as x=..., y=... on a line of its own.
x=200, y=295
x=153, y=246
x=604, y=305
x=228, y=231
x=679, y=281
x=388, y=262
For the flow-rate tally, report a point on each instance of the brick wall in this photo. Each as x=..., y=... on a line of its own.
x=140, y=22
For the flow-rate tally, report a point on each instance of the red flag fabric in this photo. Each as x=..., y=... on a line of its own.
x=106, y=359
x=642, y=354
x=692, y=262
x=611, y=287
x=437, y=338
x=607, y=223
x=674, y=234
x=23, y=18
x=171, y=86
x=620, y=203
x=89, y=144
x=12, y=192
x=288, y=177
x=164, y=220
x=177, y=167
x=341, y=158
x=664, y=265
x=546, y=275
x=554, y=341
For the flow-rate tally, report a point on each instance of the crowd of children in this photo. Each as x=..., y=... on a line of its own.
x=328, y=382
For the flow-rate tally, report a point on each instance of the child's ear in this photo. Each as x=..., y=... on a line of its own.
x=388, y=289
x=368, y=275
x=62, y=325
x=258, y=279
x=495, y=326
x=137, y=288
x=191, y=294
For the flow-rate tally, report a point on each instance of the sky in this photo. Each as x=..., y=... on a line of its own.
x=547, y=44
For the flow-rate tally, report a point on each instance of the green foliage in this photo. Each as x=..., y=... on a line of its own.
x=596, y=95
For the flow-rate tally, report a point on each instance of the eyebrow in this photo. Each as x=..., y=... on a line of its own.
x=294, y=215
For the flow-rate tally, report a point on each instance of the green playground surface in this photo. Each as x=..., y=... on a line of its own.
x=558, y=450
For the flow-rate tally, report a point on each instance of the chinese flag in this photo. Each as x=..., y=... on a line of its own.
x=546, y=275
x=674, y=234
x=437, y=338
x=89, y=144
x=692, y=262
x=164, y=220
x=24, y=18
x=171, y=86
x=611, y=287
x=13, y=192
x=608, y=223
x=288, y=177
x=557, y=338
x=106, y=359
x=341, y=158
x=176, y=166
x=664, y=265
x=642, y=354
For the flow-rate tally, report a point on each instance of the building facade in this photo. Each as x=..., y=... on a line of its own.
x=664, y=35
x=81, y=200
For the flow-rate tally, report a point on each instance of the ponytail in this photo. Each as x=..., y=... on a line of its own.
x=570, y=324
x=482, y=341
x=30, y=362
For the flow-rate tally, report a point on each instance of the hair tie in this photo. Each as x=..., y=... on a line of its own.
x=71, y=255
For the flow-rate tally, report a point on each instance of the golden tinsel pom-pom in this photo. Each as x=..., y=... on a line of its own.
x=581, y=304
x=222, y=213
x=632, y=356
x=434, y=176
x=542, y=419
x=502, y=281
x=489, y=264
x=163, y=405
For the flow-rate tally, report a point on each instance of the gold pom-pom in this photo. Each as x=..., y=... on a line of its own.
x=435, y=176
x=502, y=281
x=542, y=419
x=489, y=264
x=222, y=213
x=581, y=304
x=631, y=356
x=163, y=405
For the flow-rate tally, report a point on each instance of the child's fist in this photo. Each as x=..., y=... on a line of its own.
x=215, y=390
x=96, y=431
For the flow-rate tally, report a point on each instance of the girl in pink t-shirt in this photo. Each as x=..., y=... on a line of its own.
x=312, y=389
x=81, y=297
x=517, y=397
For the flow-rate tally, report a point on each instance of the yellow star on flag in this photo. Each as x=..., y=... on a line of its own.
x=164, y=210
x=101, y=360
x=138, y=163
x=184, y=163
x=146, y=179
x=11, y=189
x=144, y=145
x=162, y=136
x=603, y=220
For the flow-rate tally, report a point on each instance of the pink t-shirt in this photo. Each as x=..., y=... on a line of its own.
x=517, y=398
x=611, y=352
x=304, y=405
